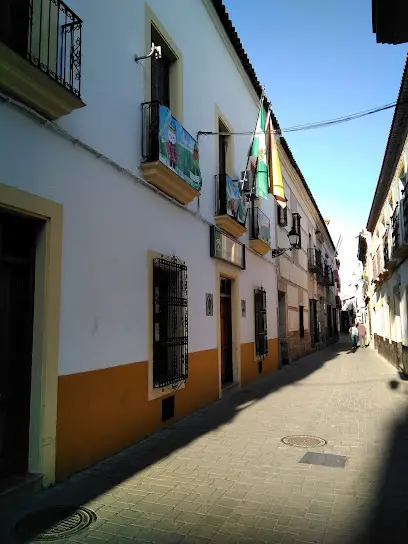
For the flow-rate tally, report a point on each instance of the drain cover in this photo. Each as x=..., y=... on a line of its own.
x=304, y=441
x=54, y=523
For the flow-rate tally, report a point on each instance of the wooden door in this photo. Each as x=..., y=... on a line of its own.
x=226, y=332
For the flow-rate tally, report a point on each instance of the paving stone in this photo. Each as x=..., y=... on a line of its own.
x=224, y=476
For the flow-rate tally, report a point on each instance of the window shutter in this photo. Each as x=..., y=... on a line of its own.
x=282, y=215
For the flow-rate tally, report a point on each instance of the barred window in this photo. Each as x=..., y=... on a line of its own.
x=261, y=326
x=282, y=214
x=170, y=322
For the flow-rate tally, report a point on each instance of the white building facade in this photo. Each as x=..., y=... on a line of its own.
x=383, y=249
x=308, y=279
x=137, y=310
x=144, y=280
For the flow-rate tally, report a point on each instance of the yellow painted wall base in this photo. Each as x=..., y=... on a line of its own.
x=249, y=365
x=103, y=411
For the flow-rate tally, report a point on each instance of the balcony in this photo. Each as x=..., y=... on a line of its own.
x=170, y=159
x=329, y=277
x=40, y=55
x=379, y=271
x=400, y=230
x=320, y=277
x=231, y=206
x=314, y=259
x=259, y=232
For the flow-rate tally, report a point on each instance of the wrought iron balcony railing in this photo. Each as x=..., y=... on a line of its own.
x=314, y=258
x=386, y=249
x=396, y=229
x=260, y=226
x=378, y=263
x=329, y=277
x=399, y=222
x=48, y=34
x=405, y=214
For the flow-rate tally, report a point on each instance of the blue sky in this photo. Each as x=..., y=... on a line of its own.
x=319, y=59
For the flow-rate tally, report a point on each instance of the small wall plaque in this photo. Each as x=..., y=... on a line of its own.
x=209, y=304
x=243, y=308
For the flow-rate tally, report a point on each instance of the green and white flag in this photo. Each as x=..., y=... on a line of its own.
x=258, y=155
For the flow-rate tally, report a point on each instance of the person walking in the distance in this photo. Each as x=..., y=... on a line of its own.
x=362, y=334
x=353, y=331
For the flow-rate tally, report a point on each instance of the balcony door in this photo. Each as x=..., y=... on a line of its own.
x=14, y=24
x=161, y=71
x=314, y=330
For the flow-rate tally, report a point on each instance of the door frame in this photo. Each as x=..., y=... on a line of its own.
x=229, y=271
x=47, y=297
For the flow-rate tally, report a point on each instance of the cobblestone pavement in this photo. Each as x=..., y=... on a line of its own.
x=222, y=475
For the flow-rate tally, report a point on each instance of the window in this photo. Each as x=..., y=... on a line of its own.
x=301, y=322
x=161, y=71
x=298, y=228
x=282, y=214
x=261, y=327
x=223, y=141
x=170, y=322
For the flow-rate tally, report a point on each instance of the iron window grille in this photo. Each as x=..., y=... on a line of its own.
x=261, y=325
x=282, y=214
x=170, y=322
x=48, y=34
x=301, y=322
x=297, y=227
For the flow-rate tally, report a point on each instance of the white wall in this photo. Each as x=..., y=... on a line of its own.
x=110, y=220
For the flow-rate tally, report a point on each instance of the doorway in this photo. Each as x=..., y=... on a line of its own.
x=18, y=236
x=227, y=371
x=314, y=331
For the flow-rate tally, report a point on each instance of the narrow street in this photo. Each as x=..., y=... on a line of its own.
x=223, y=474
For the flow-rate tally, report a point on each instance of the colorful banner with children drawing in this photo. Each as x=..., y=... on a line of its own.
x=178, y=150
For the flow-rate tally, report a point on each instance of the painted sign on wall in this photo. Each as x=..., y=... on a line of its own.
x=178, y=150
x=226, y=248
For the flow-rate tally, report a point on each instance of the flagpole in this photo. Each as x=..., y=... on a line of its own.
x=252, y=140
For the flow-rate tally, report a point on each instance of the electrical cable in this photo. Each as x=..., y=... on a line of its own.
x=317, y=124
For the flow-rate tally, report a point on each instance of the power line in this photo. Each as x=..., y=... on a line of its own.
x=310, y=126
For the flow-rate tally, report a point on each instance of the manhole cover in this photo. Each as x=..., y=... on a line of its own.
x=304, y=441
x=54, y=523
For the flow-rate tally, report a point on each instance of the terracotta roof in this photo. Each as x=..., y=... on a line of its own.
x=393, y=150
x=243, y=57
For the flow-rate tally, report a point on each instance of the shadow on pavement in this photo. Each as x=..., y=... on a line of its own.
x=87, y=485
x=388, y=519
